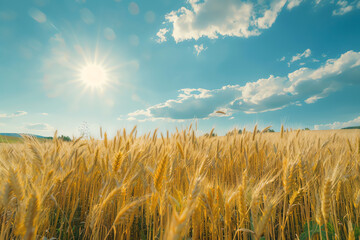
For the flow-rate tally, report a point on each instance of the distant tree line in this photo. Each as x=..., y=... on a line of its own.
x=62, y=137
x=270, y=130
x=258, y=131
x=212, y=134
x=354, y=127
x=241, y=131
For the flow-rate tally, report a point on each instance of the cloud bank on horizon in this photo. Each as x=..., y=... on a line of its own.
x=338, y=125
x=304, y=85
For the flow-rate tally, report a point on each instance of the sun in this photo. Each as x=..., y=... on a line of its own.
x=94, y=76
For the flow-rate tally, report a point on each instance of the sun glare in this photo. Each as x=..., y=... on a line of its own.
x=94, y=76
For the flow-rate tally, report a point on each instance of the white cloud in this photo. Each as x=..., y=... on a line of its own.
x=338, y=125
x=191, y=103
x=270, y=15
x=214, y=18
x=199, y=49
x=263, y=95
x=12, y=115
x=312, y=99
x=161, y=35
x=87, y=16
x=293, y=3
x=109, y=34
x=299, y=56
x=341, y=6
x=267, y=94
x=234, y=18
x=44, y=114
x=39, y=126
x=37, y=15
x=282, y=59
x=344, y=8
x=346, y=65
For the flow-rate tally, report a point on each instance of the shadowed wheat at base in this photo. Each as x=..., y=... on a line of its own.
x=256, y=184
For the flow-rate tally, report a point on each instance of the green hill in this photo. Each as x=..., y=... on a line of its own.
x=17, y=138
x=10, y=139
x=354, y=127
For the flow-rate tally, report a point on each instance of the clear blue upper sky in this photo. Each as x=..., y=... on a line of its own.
x=162, y=63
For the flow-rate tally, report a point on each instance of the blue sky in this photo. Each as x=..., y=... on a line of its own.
x=166, y=64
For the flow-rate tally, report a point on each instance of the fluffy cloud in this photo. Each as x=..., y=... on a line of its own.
x=12, y=115
x=191, y=103
x=327, y=78
x=268, y=94
x=270, y=15
x=338, y=125
x=299, y=56
x=161, y=35
x=199, y=48
x=235, y=18
x=344, y=8
x=293, y=3
x=39, y=126
x=214, y=18
x=263, y=95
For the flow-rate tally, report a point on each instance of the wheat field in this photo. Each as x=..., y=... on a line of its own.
x=254, y=185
